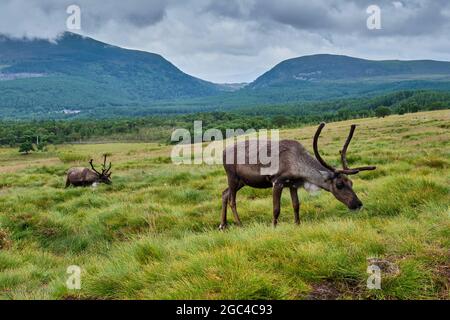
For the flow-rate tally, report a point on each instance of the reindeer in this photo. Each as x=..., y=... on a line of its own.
x=80, y=176
x=297, y=168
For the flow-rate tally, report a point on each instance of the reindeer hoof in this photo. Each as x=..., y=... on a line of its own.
x=222, y=227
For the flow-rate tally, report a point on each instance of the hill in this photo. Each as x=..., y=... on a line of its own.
x=79, y=77
x=327, y=67
x=324, y=77
x=76, y=73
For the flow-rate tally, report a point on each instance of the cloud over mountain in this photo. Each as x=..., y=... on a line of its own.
x=235, y=40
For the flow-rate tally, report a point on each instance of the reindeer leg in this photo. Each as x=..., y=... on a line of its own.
x=234, y=188
x=295, y=204
x=276, y=192
x=225, y=199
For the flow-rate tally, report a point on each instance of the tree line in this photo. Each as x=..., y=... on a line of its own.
x=159, y=127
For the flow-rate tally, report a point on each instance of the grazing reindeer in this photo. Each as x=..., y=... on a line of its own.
x=80, y=176
x=297, y=168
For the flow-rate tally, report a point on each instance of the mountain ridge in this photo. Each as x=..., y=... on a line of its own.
x=73, y=55
x=42, y=78
x=319, y=67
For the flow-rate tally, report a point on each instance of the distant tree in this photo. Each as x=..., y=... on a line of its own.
x=414, y=107
x=280, y=121
x=10, y=139
x=26, y=147
x=402, y=109
x=344, y=114
x=42, y=146
x=382, y=111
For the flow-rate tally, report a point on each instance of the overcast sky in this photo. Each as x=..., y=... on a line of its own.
x=238, y=40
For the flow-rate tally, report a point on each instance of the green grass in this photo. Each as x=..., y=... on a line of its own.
x=153, y=234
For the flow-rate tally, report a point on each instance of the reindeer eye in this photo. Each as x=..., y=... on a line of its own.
x=339, y=185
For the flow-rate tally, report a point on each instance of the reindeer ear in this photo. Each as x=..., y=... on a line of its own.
x=326, y=175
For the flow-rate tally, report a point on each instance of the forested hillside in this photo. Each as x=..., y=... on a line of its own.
x=42, y=78
x=78, y=77
x=158, y=128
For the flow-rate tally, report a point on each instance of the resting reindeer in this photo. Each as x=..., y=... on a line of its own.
x=297, y=168
x=80, y=176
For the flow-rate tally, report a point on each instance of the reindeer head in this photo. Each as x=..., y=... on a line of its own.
x=105, y=175
x=336, y=179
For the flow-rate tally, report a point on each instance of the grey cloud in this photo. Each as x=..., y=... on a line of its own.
x=415, y=16
x=46, y=18
x=236, y=40
x=139, y=13
x=231, y=8
x=303, y=15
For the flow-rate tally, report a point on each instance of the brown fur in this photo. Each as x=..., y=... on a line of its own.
x=81, y=177
x=296, y=167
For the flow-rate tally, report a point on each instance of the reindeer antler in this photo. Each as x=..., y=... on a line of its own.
x=109, y=168
x=93, y=168
x=343, y=152
x=316, y=150
x=105, y=170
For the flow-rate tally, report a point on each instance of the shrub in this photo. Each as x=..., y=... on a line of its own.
x=26, y=147
x=382, y=112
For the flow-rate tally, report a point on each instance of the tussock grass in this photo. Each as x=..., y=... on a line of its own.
x=70, y=156
x=153, y=234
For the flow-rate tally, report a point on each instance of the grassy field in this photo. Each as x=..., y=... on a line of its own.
x=153, y=234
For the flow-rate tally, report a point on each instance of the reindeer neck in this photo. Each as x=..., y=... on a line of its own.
x=311, y=172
